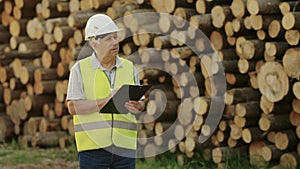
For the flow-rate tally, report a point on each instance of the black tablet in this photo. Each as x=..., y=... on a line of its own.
x=124, y=94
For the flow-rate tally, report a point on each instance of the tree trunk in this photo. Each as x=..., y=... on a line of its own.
x=291, y=20
x=273, y=81
x=296, y=90
x=292, y=36
x=9, y=95
x=249, y=109
x=255, y=7
x=291, y=62
x=238, y=95
x=270, y=122
x=35, y=103
x=252, y=134
x=220, y=14
x=32, y=46
x=219, y=154
x=51, y=23
x=33, y=125
x=201, y=22
x=78, y=19
x=286, y=139
x=118, y=11
x=102, y=3
x=296, y=105
x=238, y=8
x=288, y=6
x=255, y=154
x=50, y=59
x=47, y=125
x=289, y=160
x=276, y=49
x=270, y=152
x=47, y=139
x=44, y=74
x=182, y=15
x=44, y=87
x=6, y=128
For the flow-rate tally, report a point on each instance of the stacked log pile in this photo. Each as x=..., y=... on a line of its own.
x=256, y=42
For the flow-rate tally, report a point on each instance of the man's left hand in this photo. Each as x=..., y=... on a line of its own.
x=133, y=106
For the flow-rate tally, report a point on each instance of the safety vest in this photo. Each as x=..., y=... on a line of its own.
x=96, y=130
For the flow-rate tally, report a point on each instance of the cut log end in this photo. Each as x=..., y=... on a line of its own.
x=273, y=81
x=288, y=21
x=296, y=90
x=252, y=7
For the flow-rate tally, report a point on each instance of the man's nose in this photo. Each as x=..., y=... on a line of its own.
x=115, y=41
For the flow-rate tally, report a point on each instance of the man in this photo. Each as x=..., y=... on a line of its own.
x=103, y=140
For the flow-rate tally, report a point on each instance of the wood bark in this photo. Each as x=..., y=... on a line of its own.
x=220, y=14
x=252, y=134
x=18, y=27
x=47, y=139
x=255, y=7
x=47, y=125
x=238, y=95
x=288, y=6
x=44, y=87
x=275, y=49
x=79, y=18
x=6, y=128
x=289, y=159
x=249, y=109
x=219, y=153
x=285, y=139
x=40, y=42
x=118, y=11
x=44, y=74
x=270, y=122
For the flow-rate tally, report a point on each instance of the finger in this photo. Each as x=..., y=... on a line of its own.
x=131, y=108
x=136, y=104
x=133, y=102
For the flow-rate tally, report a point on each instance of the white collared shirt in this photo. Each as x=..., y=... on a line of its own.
x=75, y=84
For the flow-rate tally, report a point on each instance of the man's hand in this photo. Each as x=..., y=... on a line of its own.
x=134, y=106
x=101, y=103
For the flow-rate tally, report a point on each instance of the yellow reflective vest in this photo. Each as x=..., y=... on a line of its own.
x=96, y=130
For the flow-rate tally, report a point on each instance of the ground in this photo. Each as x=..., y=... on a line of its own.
x=14, y=157
x=45, y=164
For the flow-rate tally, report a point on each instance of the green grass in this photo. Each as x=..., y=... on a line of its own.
x=12, y=154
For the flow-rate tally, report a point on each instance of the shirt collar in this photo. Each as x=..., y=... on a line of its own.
x=96, y=64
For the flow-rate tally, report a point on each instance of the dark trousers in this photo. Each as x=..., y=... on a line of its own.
x=108, y=158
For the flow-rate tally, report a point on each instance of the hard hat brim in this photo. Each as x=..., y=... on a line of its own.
x=102, y=33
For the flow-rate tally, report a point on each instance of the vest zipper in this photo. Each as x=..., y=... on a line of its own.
x=112, y=128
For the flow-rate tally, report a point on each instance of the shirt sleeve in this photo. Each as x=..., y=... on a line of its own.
x=136, y=76
x=75, y=85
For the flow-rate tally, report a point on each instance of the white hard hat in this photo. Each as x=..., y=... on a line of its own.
x=99, y=24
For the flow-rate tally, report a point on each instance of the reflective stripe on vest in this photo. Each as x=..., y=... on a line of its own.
x=105, y=124
x=96, y=130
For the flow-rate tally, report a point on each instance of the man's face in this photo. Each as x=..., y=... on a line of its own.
x=107, y=45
